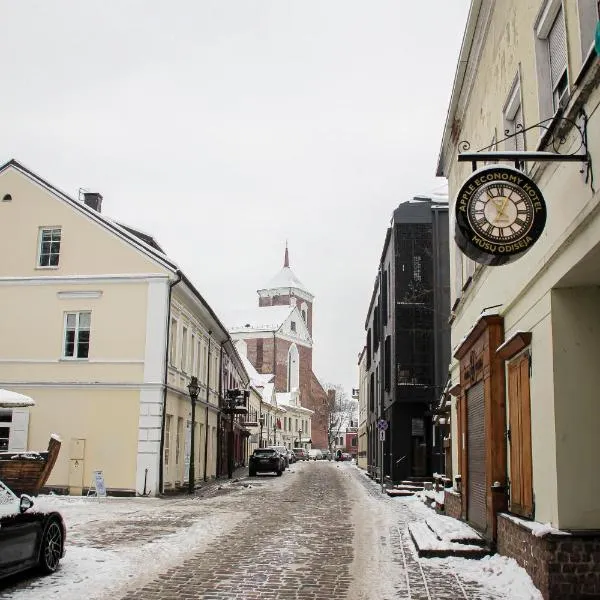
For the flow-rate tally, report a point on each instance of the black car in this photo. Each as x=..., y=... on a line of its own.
x=28, y=539
x=266, y=460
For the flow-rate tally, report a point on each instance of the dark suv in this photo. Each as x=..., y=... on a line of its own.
x=265, y=460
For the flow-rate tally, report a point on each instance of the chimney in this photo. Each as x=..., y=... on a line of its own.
x=93, y=200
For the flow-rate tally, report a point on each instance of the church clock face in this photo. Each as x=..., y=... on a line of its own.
x=500, y=213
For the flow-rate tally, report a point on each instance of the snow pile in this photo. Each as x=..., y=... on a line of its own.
x=499, y=573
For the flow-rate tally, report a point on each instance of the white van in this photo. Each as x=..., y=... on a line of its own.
x=314, y=454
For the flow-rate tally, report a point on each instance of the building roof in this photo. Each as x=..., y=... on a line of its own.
x=256, y=379
x=261, y=318
x=143, y=242
x=286, y=278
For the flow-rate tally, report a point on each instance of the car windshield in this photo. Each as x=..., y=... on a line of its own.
x=264, y=452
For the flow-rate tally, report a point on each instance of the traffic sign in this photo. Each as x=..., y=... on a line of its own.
x=382, y=424
x=382, y=435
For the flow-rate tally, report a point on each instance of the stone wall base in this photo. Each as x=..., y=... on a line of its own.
x=452, y=503
x=562, y=566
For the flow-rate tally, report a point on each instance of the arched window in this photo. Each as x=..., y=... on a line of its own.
x=293, y=370
x=304, y=312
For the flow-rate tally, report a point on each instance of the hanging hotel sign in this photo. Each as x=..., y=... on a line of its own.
x=500, y=214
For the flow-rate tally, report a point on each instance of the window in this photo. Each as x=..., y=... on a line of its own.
x=178, y=439
x=293, y=379
x=193, y=356
x=184, y=349
x=173, y=343
x=304, y=315
x=589, y=13
x=388, y=363
x=293, y=326
x=417, y=273
x=551, y=59
x=519, y=424
x=167, y=438
x=513, y=117
x=557, y=48
x=368, y=345
x=49, y=249
x=77, y=335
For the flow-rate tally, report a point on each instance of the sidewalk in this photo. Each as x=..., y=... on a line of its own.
x=212, y=487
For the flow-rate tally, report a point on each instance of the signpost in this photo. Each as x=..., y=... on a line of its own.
x=382, y=426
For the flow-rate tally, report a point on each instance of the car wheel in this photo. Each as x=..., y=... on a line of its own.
x=279, y=473
x=51, y=547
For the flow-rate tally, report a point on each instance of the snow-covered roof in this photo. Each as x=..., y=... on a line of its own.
x=256, y=379
x=286, y=278
x=9, y=399
x=267, y=392
x=261, y=318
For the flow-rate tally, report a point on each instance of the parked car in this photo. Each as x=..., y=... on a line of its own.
x=28, y=539
x=300, y=454
x=284, y=452
x=266, y=460
x=315, y=454
x=326, y=454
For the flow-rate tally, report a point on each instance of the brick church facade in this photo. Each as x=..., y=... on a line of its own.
x=278, y=336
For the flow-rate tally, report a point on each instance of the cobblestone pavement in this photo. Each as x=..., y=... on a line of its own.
x=295, y=546
x=322, y=531
x=313, y=543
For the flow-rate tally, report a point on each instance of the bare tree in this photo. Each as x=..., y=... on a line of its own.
x=339, y=411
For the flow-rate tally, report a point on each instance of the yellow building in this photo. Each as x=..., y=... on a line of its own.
x=104, y=331
x=525, y=335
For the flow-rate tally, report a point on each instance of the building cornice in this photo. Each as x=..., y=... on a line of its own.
x=474, y=37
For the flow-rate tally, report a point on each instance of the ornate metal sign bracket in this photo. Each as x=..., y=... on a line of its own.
x=555, y=132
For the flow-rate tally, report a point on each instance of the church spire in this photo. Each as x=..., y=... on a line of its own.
x=286, y=260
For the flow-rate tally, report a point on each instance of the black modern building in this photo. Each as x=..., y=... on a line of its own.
x=408, y=339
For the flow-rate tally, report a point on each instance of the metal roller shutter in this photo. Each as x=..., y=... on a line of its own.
x=557, y=43
x=476, y=507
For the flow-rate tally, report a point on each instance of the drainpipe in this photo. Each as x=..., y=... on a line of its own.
x=207, y=403
x=165, y=383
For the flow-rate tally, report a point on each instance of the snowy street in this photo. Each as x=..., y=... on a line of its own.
x=322, y=530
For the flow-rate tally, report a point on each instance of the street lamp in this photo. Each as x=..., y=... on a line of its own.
x=274, y=434
x=299, y=438
x=193, y=390
x=261, y=420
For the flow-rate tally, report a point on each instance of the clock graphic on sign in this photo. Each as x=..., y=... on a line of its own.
x=501, y=213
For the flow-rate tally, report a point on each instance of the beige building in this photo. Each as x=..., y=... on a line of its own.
x=363, y=391
x=103, y=330
x=525, y=381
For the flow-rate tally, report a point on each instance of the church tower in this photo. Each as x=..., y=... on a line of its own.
x=285, y=289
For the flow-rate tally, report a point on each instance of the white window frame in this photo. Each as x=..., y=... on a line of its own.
x=184, y=348
x=512, y=106
x=78, y=329
x=589, y=15
x=543, y=24
x=173, y=342
x=193, y=355
x=167, y=448
x=39, y=246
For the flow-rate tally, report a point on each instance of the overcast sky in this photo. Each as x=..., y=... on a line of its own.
x=225, y=127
